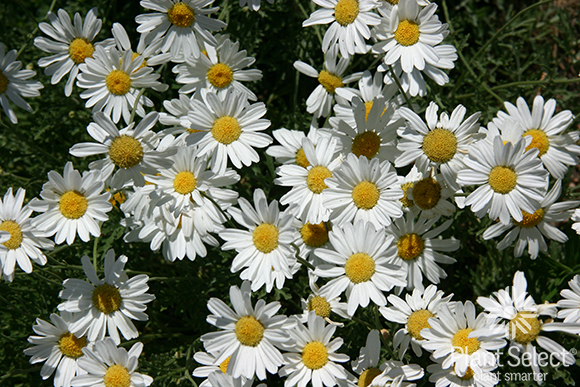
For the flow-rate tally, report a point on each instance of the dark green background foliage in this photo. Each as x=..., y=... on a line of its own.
x=537, y=52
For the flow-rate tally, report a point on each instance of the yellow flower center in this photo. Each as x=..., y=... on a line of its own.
x=366, y=144
x=393, y=2
x=117, y=198
x=469, y=374
x=249, y=331
x=464, y=345
x=118, y=82
x=417, y=321
x=106, y=298
x=301, y=159
x=265, y=237
x=117, y=376
x=315, y=178
x=426, y=193
x=407, y=33
x=531, y=220
x=502, y=179
x=440, y=145
x=314, y=235
x=539, y=140
x=70, y=346
x=224, y=364
x=405, y=200
x=359, y=267
x=15, y=232
x=220, y=75
x=181, y=15
x=365, y=195
x=346, y=11
x=314, y=355
x=410, y=246
x=126, y=152
x=524, y=328
x=367, y=376
x=319, y=305
x=80, y=49
x=226, y=130
x=329, y=81
x=184, y=182
x=3, y=82
x=73, y=204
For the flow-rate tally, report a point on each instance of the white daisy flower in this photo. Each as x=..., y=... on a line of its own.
x=312, y=356
x=440, y=143
x=454, y=337
x=312, y=237
x=71, y=204
x=23, y=242
x=180, y=24
x=410, y=35
x=147, y=47
x=70, y=44
x=107, y=365
x=130, y=151
x=15, y=83
x=444, y=377
x=209, y=366
x=309, y=183
x=321, y=305
x=58, y=348
x=221, y=379
x=264, y=248
x=363, y=190
x=531, y=230
x=429, y=196
x=290, y=150
x=350, y=20
x=570, y=304
x=112, y=79
x=510, y=179
x=249, y=334
x=331, y=78
x=415, y=312
x=221, y=69
x=106, y=305
x=359, y=265
x=416, y=248
x=407, y=182
x=228, y=129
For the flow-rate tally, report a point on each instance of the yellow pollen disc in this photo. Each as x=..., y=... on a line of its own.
x=249, y=331
x=365, y=195
x=367, y=376
x=220, y=75
x=70, y=346
x=410, y=246
x=184, y=182
x=329, y=81
x=3, y=82
x=405, y=200
x=226, y=130
x=426, y=193
x=118, y=82
x=314, y=235
x=117, y=198
x=394, y=2
x=464, y=345
x=417, y=321
x=319, y=305
x=315, y=179
x=502, y=179
x=80, y=49
x=531, y=220
x=359, y=267
x=524, y=328
x=366, y=144
x=301, y=159
x=126, y=152
x=407, y=33
x=469, y=374
x=15, y=234
x=224, y=364
x=440, y=145
x=73, y=204
x=265, y=237
x=539, y=140
x=314, y=355
x=346, y=11
x=181, y=15
x=106, y=298
x=117, y=376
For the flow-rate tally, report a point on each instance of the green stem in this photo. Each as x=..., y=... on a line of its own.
x=225, y=214
x=95, y=257
x=306, y=15
x=35, y=30
x=136, y=104
x=400, y=87
x=378, y=326
x=477, y=79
